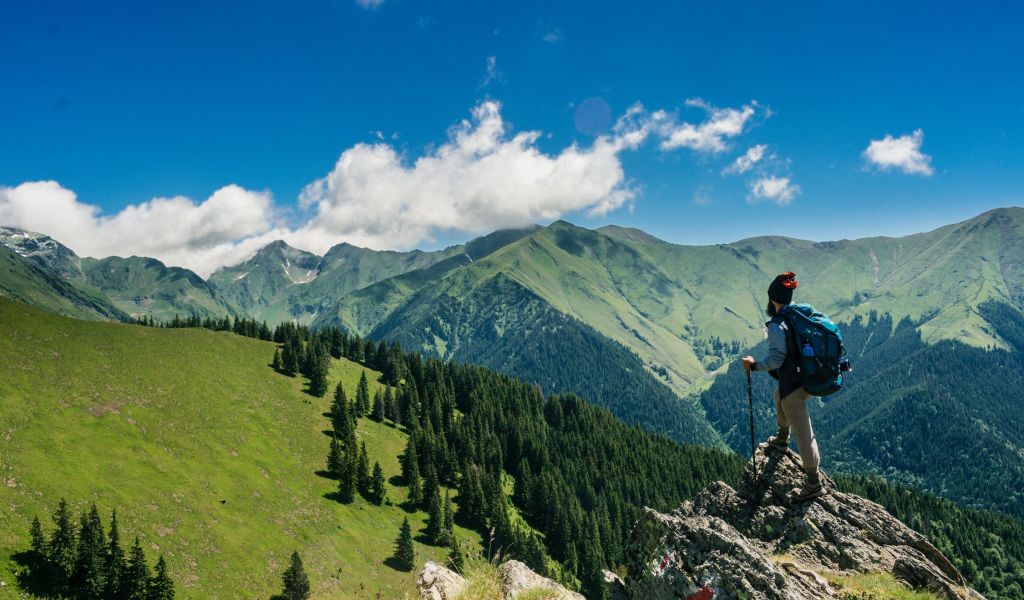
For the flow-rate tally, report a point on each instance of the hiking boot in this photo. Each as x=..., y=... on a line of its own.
x=779, y=441
x=812, y=488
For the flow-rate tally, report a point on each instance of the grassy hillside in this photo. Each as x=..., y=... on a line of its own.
x=207, y=454
x=24, y=281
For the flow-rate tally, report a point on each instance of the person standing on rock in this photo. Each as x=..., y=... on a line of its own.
x=790, y=397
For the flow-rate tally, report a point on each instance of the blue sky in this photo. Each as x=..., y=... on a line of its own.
x=121, y=103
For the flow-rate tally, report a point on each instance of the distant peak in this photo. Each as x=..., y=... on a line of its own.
x=276, y=245
x=630, y=234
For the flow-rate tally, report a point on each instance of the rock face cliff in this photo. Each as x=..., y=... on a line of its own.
x=758, y=543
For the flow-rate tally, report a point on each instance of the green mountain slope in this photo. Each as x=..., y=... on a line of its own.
x=685, y=309
x=502, y=325
x=938, y=278
x=596, y=283
x=205, y=452
x=24, y=281
x=145, y=286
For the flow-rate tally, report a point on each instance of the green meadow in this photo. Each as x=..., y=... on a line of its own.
x=208, y=455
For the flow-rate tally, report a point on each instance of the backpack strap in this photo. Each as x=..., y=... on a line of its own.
x=792, y=352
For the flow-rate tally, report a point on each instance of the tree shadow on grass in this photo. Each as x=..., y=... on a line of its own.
x=334, y=497
x=394, y=563
x=422, y=538
x=32, y=577
x=326, y=474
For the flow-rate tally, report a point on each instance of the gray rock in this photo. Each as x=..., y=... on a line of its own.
x=517, y=578
x=759, y=543
x=614, y=586
x=439, y=583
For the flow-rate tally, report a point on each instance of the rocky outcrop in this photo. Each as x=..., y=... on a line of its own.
x=439, y=583
x=759, y=543
x=517, y=578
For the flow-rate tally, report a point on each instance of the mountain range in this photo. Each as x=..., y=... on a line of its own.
x=644, y=327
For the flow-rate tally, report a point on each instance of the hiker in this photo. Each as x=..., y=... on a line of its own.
x=790, y=397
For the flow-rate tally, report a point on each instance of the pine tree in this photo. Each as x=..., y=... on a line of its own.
x=431, y=487
x=160, y=586
x=347, y=483
x=339, y=408
x=115, y=562
x=295, y=580
x=405, y=553
x=318, y=379
x=136, y=577
x=89, y=562
x=448, y=526
x=377, y=414
x=435, y=520
x=38, y=543
x=344, y=422
x=377, y=491
x=277, y=363
x=592, y=563
x=415, y=487
x=363, y=470
x=289, y=356
x=334, y=457
x=455, y=554
x=389, y=405
x=61, y=552
x=363, y=395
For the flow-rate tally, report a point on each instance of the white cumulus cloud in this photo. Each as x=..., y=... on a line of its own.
x=780, y=190
x=747, y=160
x=903, y=153
x=713, y=134
x=480, y=179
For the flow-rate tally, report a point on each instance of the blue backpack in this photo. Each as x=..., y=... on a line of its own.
x=818, y=349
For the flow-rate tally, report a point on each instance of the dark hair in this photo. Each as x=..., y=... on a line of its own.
x=771, y=309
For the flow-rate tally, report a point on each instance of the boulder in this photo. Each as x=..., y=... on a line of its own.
x=517, y=578
x=437, y=582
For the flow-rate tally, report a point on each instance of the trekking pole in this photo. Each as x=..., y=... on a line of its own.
x=750, y=402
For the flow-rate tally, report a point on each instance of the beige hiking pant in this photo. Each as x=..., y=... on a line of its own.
x=791, y=413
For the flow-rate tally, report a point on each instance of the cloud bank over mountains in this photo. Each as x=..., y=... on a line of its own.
x=482, y=177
